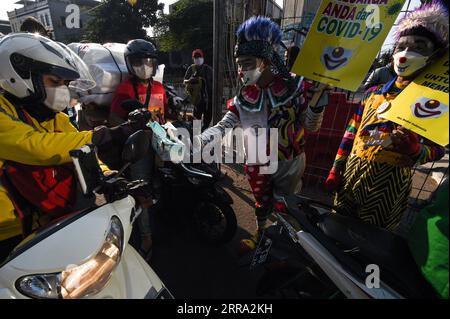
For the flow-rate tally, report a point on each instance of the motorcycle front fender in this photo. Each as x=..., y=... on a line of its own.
x=216, y=194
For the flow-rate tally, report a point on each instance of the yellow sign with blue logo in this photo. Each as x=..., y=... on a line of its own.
x=344, y=39
x=423, y=105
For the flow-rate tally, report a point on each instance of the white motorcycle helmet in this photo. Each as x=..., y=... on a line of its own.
x=25, y=57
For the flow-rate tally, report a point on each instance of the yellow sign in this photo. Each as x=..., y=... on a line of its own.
x=344, y=39
x=423, y=105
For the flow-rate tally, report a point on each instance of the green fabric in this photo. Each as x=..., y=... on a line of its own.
x=428, y=241
x=194, y=90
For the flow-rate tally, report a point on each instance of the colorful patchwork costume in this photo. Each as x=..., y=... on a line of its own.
x=281, y=106
x=376, y=180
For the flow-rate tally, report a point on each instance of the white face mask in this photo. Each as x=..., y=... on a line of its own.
x=58, y=98
x=407, y=63
x=144, y=72
x=199, y=61
x=251, y=77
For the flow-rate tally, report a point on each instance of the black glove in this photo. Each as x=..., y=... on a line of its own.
x=114, y=189
x=140, y=117
x=104, y=137
x=131, y=105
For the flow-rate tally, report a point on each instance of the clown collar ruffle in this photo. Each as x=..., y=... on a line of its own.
x=278, y=93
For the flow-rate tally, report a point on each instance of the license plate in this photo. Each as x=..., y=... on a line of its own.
x=261, y=252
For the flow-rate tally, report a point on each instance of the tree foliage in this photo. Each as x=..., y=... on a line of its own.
x=122, y=20
x=188, y=26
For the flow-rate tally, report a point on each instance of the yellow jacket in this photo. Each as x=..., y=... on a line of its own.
x=21, y=143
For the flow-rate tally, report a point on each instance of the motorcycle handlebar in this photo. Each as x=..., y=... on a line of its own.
x=194, y=171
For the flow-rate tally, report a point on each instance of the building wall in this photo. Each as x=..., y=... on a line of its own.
x=5, y=26
x=39, y=10
x=296, y=10
x=59, y=15
x=273, y=10
x=298, y=14
x=52, y=14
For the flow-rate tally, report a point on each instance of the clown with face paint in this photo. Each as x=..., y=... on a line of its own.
x=372, y=170
x=269, y=98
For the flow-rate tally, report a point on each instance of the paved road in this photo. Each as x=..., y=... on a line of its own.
x=193, y=269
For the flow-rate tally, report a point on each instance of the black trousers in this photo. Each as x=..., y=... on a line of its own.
x=203, y=109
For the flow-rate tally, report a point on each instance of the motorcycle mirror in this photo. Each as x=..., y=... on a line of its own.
x=135, y=147
x=88, y=170
x=131, y=105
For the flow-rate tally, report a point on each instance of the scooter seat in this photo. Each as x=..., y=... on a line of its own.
x=381, y=247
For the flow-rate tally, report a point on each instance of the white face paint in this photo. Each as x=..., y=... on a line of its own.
x=58, y=98
x=406, y=62
x=251, y=77
x=144, y=72
x=199, y=61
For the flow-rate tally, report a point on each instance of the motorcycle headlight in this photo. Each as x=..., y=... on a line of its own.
x=80, y=281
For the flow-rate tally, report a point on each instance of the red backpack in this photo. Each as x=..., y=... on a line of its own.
x=47, y=189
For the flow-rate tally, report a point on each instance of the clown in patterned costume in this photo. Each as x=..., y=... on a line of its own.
x=372, y=170
x=268, y=98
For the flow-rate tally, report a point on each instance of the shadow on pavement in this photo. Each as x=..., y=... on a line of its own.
x=192, y=269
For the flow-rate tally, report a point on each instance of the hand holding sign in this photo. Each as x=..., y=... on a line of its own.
x=317, y=95
x=405, y=141
x=423, y=106
x=344, y=39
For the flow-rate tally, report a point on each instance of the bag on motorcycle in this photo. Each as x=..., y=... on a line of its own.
x=107, y=66
x=49, y=189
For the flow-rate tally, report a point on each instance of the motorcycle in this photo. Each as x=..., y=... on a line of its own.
x=314, y=253
x=86, y=254
x=194, y=188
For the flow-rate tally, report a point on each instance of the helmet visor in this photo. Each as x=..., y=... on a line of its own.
x=85, y=81
x=137, y=61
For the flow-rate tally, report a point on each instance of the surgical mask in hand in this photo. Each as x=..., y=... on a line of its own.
x=144, y=72
x=58, y=98
x=199, y=61
x=407, y=63
x=251, y=77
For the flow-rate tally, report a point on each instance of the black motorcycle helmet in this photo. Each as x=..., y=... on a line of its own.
x=140, y=49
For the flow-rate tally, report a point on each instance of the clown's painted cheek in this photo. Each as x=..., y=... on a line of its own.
x=407, y=62
x=251, y=77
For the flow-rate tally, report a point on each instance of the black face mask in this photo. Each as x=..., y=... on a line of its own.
x=39, y=111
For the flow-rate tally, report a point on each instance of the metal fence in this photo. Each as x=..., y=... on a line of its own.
x=322, y=147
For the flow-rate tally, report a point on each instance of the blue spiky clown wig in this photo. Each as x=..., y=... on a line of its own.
x=259, y=37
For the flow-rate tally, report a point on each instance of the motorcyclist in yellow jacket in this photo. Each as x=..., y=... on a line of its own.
x=36, y=75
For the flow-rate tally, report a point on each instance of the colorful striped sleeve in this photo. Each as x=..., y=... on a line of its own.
x=429, y=152
x=349, y=137
x=350, y=133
